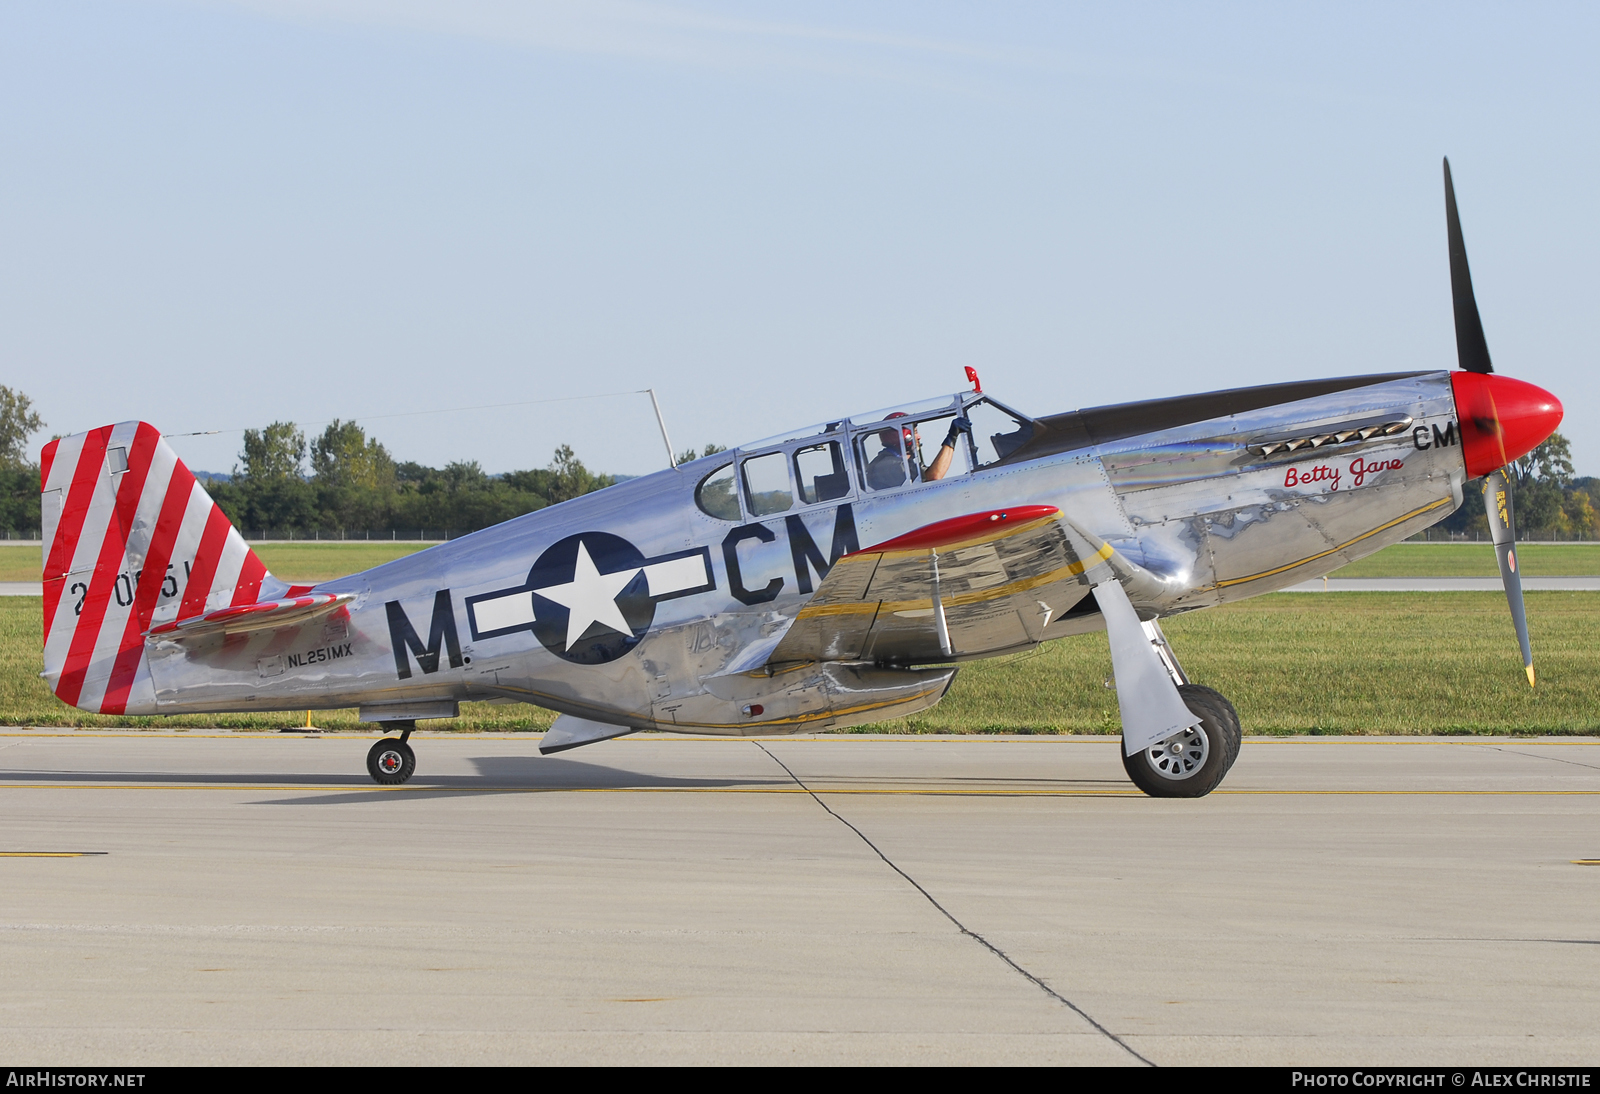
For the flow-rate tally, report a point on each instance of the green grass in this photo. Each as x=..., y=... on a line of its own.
x=20, y=564
x=1362, y=663
x=1475, y=560
x=301, y=562
x=293, y=562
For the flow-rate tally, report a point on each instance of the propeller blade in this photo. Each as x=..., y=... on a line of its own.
x=1471, y=347
x=1497, y=504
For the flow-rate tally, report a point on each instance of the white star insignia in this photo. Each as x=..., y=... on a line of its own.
x=590, y=597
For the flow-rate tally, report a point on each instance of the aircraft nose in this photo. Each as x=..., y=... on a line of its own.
x=1501, y=418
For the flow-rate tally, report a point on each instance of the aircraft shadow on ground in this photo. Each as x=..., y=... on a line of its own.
x=519, y=774
x=505, y=774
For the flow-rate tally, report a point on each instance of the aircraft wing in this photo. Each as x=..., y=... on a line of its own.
x=967, y=586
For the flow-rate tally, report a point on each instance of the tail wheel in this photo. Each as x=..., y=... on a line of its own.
x=1191, y=763
x=391, y=762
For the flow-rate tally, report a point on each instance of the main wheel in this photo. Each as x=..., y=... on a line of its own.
x=1196, y=693
x=391, y=762
x=1188, y=764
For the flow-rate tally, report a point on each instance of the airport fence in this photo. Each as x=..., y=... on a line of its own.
x=345, y=535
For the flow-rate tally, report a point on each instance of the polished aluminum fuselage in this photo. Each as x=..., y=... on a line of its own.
x=1196, y=507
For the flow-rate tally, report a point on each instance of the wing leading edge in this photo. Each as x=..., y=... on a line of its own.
x=985, y=583
x=966, y=587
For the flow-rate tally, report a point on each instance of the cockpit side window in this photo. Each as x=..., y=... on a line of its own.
x=820, y=472
x=881, y=458
x=910, y=450
x=766, y=484
x=715, y=494
x=926, y=445
x=996, y=433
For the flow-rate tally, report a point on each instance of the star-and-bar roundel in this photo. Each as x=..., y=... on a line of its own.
x=591, y=597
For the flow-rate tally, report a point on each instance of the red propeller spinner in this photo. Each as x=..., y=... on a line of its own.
x=1501, y=418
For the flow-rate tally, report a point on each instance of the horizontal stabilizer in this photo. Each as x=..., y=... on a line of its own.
x=267, y=615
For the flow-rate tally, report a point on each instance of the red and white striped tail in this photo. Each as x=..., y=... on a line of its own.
x=131, y=541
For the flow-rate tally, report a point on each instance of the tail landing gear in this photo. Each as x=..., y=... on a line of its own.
x=391, y=761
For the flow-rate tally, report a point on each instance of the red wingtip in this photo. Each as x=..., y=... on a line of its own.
x=943, y=532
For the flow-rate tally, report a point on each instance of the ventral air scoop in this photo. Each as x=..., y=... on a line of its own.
x=1501, y=418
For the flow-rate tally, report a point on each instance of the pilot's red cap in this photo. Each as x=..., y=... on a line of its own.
x=887, y=435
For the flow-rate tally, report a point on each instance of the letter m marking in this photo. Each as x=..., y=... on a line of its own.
x=403, y=636
x=803, y=549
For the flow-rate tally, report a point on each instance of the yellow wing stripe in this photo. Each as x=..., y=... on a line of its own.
x=864, y=607
x=1331, y=550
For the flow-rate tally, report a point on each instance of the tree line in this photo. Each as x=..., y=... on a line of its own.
x=340, y=484
x=1548, y=499
x=345, y=484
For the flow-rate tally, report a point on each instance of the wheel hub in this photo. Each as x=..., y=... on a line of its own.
x=1181, y=755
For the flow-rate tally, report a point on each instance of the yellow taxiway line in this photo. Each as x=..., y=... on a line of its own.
x=659, y=737
x=881, y=791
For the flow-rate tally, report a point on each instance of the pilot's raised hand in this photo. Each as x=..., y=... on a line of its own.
x=958, y=427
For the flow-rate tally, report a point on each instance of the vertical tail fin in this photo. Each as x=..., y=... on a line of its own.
x=131, y=540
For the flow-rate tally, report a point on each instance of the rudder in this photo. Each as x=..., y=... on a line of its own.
x=130, y=540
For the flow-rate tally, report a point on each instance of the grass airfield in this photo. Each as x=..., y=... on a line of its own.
x=1360, y=663
x=319, y=561
x=295, y=562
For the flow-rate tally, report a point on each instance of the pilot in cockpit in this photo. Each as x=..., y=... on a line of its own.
x=887, y=470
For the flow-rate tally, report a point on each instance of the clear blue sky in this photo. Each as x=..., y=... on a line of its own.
x=215, y=215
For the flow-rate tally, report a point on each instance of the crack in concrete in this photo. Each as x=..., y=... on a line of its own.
x=1539, y=756
x=960, y=926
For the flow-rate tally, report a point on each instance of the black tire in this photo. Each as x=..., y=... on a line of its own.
x=1219, y=701
x=391, y=762
x=1186, y=765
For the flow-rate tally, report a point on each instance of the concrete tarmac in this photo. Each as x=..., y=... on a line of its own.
x=836, y=899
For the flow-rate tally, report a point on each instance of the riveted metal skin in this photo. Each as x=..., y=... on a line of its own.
x=1186, y=516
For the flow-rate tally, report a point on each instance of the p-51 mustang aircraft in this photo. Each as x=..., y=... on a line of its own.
x=827, y=576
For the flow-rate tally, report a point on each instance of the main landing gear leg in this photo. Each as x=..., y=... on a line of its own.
x=1193, y=762
x=391, y=761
